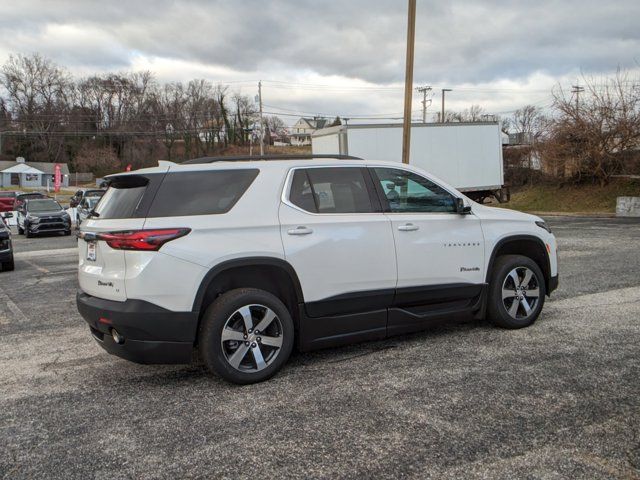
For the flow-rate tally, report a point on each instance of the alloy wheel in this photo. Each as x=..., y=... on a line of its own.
x=252, y=338
x=520, y=292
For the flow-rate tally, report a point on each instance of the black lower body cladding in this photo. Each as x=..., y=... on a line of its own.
x=151, y=334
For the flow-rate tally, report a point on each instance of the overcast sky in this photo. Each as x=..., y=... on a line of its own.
x=338, y=57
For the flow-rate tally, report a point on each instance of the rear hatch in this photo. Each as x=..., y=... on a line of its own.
x=123, y=208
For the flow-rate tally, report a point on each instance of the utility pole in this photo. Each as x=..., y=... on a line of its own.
x=442, y=114
x=577, y=90
x=424, y=90
x=261, y=119
x=408, y=81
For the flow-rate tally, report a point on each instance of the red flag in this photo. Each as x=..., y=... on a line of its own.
x=57, y=177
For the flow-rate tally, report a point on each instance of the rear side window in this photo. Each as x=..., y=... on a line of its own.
x=301, y=193
x=331, y=190
x=200, y=193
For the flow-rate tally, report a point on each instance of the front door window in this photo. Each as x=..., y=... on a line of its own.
x=407, y=192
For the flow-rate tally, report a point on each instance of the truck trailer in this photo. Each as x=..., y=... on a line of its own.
x=468, y=156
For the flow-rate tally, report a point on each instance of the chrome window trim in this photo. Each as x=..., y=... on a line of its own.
x=289, y=180
x=287, y=190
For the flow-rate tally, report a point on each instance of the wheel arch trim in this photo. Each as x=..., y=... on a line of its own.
x=546, y=268
x=246, y=262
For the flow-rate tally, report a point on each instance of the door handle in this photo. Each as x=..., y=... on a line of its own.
x=409, y=227
x=300, y=231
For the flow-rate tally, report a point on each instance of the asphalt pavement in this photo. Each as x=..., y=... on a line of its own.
x=560, y=399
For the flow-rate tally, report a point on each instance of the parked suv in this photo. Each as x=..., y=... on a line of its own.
x=85, y=207
x=259, y=256
x=42, y=215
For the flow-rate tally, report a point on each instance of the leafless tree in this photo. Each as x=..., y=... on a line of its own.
x=274, y=127
x=245, y=116
x=38, y=95
x=530, y=122
x=594, y=135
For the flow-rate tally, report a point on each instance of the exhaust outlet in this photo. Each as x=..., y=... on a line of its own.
x=119, y=339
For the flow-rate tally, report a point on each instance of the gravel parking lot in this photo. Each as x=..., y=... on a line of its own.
x=558, y=400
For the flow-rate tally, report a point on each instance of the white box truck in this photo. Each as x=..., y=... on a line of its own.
x=465, y=155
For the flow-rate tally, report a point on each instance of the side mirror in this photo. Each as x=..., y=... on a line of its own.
x=461, y=208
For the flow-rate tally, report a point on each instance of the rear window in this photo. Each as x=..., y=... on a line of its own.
x=174, y=194
x=122, y=197
x=200, y=193
x=27, y=196
x=7, y=194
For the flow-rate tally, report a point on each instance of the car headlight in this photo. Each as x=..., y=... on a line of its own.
x=544, y=225
x=31, y=218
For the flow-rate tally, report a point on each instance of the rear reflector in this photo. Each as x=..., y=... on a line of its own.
x=148, y=240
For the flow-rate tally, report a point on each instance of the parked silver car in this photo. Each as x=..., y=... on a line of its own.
x=84, y=209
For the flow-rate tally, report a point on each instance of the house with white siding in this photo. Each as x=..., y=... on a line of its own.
x=301, y=132
x=22, y=174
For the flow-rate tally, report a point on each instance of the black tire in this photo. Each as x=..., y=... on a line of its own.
x=20, y=231
x=216, y=317
x=27, y=233
x=8, y=266
x=498, y=308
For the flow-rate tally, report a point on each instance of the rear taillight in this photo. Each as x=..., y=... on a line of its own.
x=148, y=240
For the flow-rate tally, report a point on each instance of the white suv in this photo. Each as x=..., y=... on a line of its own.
x=240, y=260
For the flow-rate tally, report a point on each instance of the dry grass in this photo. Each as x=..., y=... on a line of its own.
x=572, y=198
x=233, y=150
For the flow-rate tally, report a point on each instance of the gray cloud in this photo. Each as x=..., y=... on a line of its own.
x=457, y=42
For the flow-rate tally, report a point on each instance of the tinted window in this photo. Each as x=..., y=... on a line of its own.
x=301, y=194
x=331, y=190
x=91, y=202
x=122, y=198
x=27, y=196
x=409, y=192
x=43, y=206
x=200, y=193
x=7, y=194
x=93, y=193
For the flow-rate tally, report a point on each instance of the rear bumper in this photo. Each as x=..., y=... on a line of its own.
x=6, y=256
x=151, y=334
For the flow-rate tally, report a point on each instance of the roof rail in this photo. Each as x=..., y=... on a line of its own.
x=249, y=158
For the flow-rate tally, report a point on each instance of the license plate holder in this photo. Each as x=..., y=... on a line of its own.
x=91, y=251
